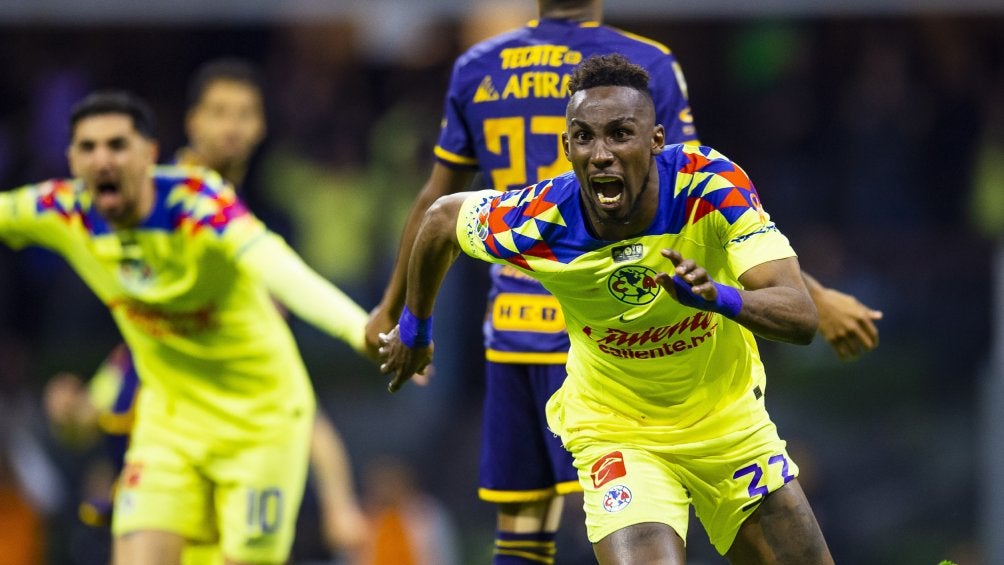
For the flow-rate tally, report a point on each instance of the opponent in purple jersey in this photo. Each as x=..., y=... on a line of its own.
x=504, y=114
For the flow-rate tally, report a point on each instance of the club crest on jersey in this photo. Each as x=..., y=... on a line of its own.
x=135, y=274
x=609, y=467
x=633, y=284
x=616, y=498
x=624, y=253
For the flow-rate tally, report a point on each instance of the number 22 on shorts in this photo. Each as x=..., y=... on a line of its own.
x=757, y=488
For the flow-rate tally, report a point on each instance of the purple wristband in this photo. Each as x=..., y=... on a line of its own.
x=728, y=303
x=413, y=331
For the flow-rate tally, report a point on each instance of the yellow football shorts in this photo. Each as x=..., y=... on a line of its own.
x=244, y=496
x=725, y=479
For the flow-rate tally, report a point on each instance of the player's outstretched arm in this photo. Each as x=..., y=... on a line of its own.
x=306, y=293
x=773, y=303
x=407, y=349
x=441, y=182
x=846, y=324
x=343, y=522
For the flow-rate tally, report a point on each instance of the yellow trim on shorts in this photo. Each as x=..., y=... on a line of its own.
x=568, y=487
x=502, y=496
x=527, y=357
x=116, y=423
x=544, y=550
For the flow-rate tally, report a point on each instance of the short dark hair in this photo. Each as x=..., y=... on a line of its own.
x=116, y=102
x=608, y=70
x=565, y=3
x=227, y=68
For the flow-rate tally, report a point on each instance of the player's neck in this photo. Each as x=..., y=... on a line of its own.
x=586, y=12
x=145, y=202
x=231, y=172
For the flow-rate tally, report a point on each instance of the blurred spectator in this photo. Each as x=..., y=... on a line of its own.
x=411, y=527
x=986, y=203
x=31, y=489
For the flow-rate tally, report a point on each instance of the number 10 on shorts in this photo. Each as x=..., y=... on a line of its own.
x=264, y=510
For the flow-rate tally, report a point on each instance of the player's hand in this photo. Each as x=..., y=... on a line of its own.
x=69, y=408
x=380, y=322
x=64, y=398
x=846, y=323
x=692, y=274
x=346, y=531
x=401, y=361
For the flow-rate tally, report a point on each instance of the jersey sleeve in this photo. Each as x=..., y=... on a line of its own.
x=455, y=146
x=37, y=214
x=301, y=289
x=749, y=236
x=474, y=228
x=228, y=216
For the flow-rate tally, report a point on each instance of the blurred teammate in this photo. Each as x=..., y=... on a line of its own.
x=666, y=265
x=225, y=124
x=504, y=115
x=223, y=423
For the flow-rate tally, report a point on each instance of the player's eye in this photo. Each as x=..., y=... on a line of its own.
x=622, y=134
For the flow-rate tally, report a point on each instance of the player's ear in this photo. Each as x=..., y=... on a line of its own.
x=565, y=146
x=658, y=139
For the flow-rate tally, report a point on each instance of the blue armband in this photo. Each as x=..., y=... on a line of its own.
x=413, y=331
x=728, y=303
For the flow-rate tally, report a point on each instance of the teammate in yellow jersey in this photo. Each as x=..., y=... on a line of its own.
x=666, y=265
x=220, y=447
x=225, y=124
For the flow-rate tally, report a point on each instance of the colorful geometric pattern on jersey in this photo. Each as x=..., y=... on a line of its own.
x=184, y=287
x=504, y=114
x=639, y=360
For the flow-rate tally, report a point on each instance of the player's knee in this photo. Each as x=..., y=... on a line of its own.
x=648, y=542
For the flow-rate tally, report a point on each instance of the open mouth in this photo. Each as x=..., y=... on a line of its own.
x=108, y=197
x=609, y=190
